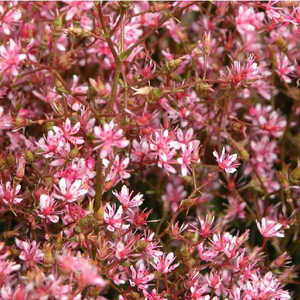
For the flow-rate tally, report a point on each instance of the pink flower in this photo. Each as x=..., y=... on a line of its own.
x=68, y=131
x=141, y=152
x=73, y=8
x=235, y=209
x=241, y=74
x=8, y=194
x=85, y=273
x=30, y=253
x=153, y=295
x=125, y=198
x=284, y=67
x=6, y=269
x=175, y=30
x=138, y=218
x=109, y=137
x=226, y=162
x=78, y=93
x=48, y=95
x=55, y=146
x=8, y=293
x=265, y=286
x=70, y=191
x=268, y=120
x=174, y=194
x=9, y=18
x=10, y=58
x=185, y=139
x=187, y=156
x=205, y=227
x=117, y=172
x=270, y=228
x=206, y=253
x=166, y=160
x=125, y=247
x=114, y=218
x=228, y=244
x=73, y=213
x=140, y=276
x=163, y=263
x=275, y=13
x=151, y=249
x=47, y=209
x=247, y=20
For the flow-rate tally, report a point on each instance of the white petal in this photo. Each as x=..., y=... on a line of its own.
x=63, y=185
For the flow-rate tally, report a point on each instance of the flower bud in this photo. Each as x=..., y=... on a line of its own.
x=10, y=160
x=282, y=45
x=295, y=175
x=98, y=86
x=21, y=167
x=74, y=153
x=186, y=203
x=20, y=122
x=58, y=22
x=29, y=156
x=141, y=245
x=143, y=91
x=49, y=125
x=99, y=215
x=2, y=163
x=48, y=258
x=207, y=43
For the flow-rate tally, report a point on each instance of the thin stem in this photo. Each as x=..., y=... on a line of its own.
x=99, y=179
x=115, y=87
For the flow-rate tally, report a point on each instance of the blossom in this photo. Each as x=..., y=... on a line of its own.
x=78, y=94
x=284, y=67
x=84, y=271
x=70, y=191
x=8, y=194
x=8, y=293
x=186, y=157
x=73, y=8
x=226, y=162
x=54, y=146
x=163, y=263
x=6, y=121
x=141, y=152
x=9, y=19
x=114, y=218
x=174, y=193
x=140, y=276
x=153, y=295
x=10, y=58
x=118, y=170
x=6, y=269
x=247, y=20
x=240, y=74
x=124, y=248
x=68, y=132
x=264, y=287
x=269, y=121
x=205, y=227
x=227, y=243
x=47, y=209
x=30, y=253
x=125, y=198
x=235, y=209
x=108, y=137
x=269, y=228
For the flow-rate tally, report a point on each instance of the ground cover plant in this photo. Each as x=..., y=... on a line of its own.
x=149, y=150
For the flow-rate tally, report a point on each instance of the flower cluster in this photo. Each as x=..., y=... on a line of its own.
x=149, y=150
